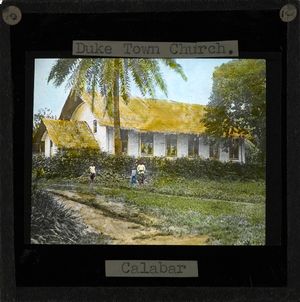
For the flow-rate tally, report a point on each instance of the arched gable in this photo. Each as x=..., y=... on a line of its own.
x=71, y=104
x=83, y=113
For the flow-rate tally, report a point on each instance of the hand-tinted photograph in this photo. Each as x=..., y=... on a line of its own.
x=149, y=151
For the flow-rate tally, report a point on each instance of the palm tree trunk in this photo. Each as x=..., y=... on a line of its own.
x=117, y=123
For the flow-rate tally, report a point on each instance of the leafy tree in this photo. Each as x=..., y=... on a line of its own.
x=37, y=118
x=237, y=107
x=111, y=78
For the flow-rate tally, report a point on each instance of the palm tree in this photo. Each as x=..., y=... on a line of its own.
x=111, y=78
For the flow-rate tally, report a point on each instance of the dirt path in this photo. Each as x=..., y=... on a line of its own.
x=121, y=222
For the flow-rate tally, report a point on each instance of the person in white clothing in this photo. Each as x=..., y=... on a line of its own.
x=92, y=172
x=141, y=169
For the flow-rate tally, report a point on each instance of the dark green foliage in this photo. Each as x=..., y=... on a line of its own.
x=252, y=153
x=213, y=169
x=54, y=223
x=237, y=107
x=76, y=164
x=37, y=118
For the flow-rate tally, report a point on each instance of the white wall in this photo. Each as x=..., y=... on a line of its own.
x=203, y=149
x=54, y=149
x=84, y=113
x=101, y=137
x=159, y=143
x=110, y=140
x=224, y=156
x=182, y=145
x=47, y=146
x=48, y=150
x=242, y=153
x=133, y=143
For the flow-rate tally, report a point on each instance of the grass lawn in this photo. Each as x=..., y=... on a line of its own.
x=230, y=212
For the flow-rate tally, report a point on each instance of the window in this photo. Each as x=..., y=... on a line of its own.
x=234, y=150
x=193, y=149
x=124, y=139
x=214, y=152
x=146, y=144
x=95, y=126
x=51, y=143
x=171, y=141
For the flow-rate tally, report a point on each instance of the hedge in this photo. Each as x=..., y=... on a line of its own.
x=76, y=164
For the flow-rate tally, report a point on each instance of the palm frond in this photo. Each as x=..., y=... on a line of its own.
x=61, y=70
x=173, y=65
x=136, y=73
x=124, y=81
x=78, y=79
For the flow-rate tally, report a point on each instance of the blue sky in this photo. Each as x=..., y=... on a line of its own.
x=196, y=90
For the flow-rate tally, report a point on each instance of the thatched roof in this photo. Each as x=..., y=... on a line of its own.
x=152, y=115
x=70, y=134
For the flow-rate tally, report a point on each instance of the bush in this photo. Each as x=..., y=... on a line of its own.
x=211, y=169
x=253, y=154
x=76, y=164
x=53, y=223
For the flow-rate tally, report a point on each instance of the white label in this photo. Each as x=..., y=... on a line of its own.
x=151, y=268
x=155, y=49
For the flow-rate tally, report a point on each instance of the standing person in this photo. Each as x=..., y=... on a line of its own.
x=92, y=169
x=133, y=176
x=141, y=169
